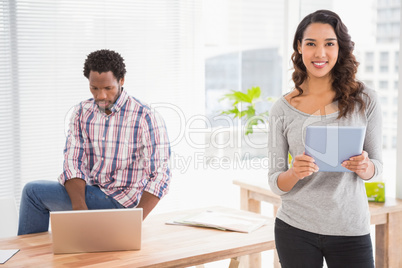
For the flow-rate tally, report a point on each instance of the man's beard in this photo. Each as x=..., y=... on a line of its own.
x=108, y=108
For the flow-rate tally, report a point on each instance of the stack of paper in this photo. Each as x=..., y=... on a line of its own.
x=240, y=221
x=6, y=254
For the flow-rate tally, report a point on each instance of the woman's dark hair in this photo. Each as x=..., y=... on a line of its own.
x=104, y=61
x=348, y=90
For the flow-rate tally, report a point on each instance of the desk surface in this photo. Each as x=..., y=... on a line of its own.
x=261, y=187
x=162, y=246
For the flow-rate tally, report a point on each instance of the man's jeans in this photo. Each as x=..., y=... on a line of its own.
x=40, y=197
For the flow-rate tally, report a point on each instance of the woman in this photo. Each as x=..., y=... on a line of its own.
x=323, y=214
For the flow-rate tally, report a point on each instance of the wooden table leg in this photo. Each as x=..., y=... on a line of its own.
x=381, y=245
x=235, y=262
x=254, y=260
x=249, y=204
x=394, y=239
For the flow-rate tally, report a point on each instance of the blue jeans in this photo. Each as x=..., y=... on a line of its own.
x=40, y=197
x=298, y=248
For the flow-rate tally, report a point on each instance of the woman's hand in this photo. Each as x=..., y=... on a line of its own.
x=361, y=165
x=303, y=166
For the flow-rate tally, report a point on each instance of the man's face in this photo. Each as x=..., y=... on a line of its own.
x=105, y=89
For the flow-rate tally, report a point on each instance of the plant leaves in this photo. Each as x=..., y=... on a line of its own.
x=250, y=112
x=243, y=105
x=242, y=97
x=253, y=121
x=249, y=126
x=254, y=93
x=233, y=111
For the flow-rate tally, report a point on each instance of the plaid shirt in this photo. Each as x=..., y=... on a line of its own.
x=124, y=153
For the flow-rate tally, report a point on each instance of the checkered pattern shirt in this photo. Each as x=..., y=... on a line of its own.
x=124, y=153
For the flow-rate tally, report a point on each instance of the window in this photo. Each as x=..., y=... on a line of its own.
x=244, y=49
x=384, y=62
x=384, y=142
x=384, y=101
x=384, y=69
x=369, y=68
x=372, y=44
x=369, y=83
x=384, y=58
x=382, y=14
x=369, y=57
x=383, y=84
x=43, y=45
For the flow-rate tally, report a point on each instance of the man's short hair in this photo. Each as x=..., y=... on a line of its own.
x=105, y=60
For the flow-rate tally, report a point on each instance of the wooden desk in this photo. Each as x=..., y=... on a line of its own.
x=387, y=218
x=162, y=246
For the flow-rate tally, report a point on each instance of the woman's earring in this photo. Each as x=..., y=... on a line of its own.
x=300, y=52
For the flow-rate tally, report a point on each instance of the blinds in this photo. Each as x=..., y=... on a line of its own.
x=43, y=46
x=9, y=117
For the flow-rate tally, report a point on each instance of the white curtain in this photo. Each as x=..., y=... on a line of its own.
x=43, y=45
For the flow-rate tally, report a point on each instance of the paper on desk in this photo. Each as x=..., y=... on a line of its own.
x=6, y=254
x=225, y=221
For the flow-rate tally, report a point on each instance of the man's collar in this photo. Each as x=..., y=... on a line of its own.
x=121, y=100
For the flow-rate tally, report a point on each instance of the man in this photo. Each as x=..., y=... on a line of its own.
x=116, y=154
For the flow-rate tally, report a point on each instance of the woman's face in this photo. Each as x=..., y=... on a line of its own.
x=319, y=49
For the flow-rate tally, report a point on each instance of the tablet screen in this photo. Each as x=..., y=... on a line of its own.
x=331, y=145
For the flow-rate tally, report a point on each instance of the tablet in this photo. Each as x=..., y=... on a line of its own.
x=331, y=145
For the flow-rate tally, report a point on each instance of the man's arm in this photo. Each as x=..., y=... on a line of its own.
x=155, y=154
x=76, y=190
x=75, y=166
x=147, y=203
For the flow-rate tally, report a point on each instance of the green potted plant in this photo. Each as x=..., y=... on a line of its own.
x=243, y=106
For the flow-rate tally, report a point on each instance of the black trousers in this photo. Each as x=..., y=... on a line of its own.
x=297, y=248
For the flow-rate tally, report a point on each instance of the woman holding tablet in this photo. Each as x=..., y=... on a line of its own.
x=323, y=214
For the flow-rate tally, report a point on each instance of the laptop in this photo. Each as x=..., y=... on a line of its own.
x=331, y=145
x=96, y=230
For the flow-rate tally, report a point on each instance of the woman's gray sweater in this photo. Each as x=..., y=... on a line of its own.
x=327, y=203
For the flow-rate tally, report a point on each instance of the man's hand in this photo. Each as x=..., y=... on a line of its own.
x=147, y=203
x=76, y=190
